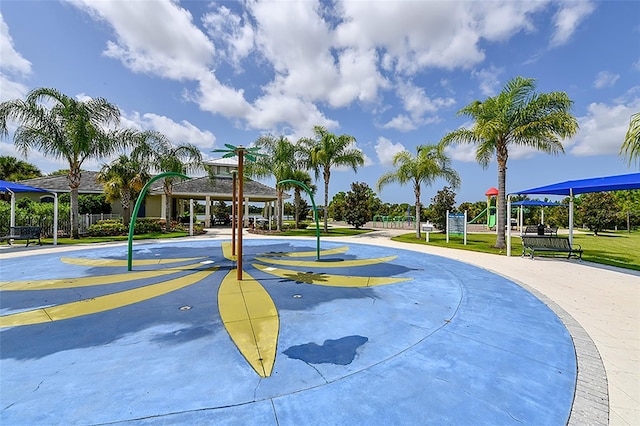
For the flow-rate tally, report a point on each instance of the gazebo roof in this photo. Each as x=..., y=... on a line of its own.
x=219, y=188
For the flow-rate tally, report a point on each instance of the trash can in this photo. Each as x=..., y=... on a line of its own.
x=541, y=229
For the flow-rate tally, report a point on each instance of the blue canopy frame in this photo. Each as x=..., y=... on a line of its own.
x=13, y=187
x=571, y=188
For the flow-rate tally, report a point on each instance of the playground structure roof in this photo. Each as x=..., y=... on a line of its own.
x=581, y=186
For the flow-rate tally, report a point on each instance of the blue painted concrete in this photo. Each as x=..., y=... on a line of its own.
x=455, y=345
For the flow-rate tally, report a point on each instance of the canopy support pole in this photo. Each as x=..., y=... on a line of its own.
x=13, y=209
x=55, y=218
x=571, y=216
x=508, y=225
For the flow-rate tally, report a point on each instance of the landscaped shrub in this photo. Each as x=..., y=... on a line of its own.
x=107, y=228
x=148, y=226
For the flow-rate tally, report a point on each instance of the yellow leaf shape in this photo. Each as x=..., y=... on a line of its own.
x=251, y=319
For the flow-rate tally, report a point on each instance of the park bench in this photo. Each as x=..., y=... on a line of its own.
x=534, y=230
x=551, y=244
x=23, y=233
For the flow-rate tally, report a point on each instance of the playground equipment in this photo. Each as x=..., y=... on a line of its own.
x=491, y=221
x=491, y=218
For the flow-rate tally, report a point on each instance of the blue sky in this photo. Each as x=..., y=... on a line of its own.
x=391, y=74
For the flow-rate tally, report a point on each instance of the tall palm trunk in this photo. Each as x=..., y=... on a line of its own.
x=125, y=197
x=501, y=157
x=279, y=209
x=327, y=176
x=417, y=193
x=296, y=206
x=74, y=183
x=168, y=190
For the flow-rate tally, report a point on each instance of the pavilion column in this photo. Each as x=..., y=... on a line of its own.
x=207, y=212
x=191, y=217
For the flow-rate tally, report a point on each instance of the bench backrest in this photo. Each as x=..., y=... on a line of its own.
x=546, y=242
x=25, y=231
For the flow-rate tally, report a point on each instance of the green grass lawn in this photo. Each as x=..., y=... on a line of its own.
x=333, y=232
x=90, y=240
x=619, y=248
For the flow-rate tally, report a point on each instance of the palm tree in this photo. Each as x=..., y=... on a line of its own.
x=279, y=161
x=326, y=151
x=123, y=179
x=60, y=126
x=429, y=164
x=305, y=178
x=631, y=146
x=516, y=116
x=155, y=152
x=12, y=169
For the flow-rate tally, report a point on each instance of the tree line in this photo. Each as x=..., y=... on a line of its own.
x=59, y=126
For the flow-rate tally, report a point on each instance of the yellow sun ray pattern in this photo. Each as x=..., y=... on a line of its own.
x=81, y=261
x=56, y=284
x=320, y=264
x=251, y=319
x=327, y=279
x=101, y=303
x=246, y=308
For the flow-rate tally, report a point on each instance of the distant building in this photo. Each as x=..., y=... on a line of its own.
x=207, y=189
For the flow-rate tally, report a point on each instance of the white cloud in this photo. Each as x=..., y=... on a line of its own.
x=12, y=61
x=156, y=37
x=462, y=152
x=12, y=65
x=489, y=81
x=605, y=79
x=310, y=56
x=603, y=129
x=217, y=98
x=182, y=132
x=234, y=34
x=386, y=150
x=569, y=15
x=11, y=89
x=400, y=122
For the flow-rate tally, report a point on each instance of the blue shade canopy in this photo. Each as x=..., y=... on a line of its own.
x=535, y=203
x=581, y=186
x=16, y=187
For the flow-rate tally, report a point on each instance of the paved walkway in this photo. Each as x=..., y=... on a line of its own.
x=602, y=302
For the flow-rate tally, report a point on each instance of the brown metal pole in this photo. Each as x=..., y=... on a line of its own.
x=240, y=199
x=233, y=214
